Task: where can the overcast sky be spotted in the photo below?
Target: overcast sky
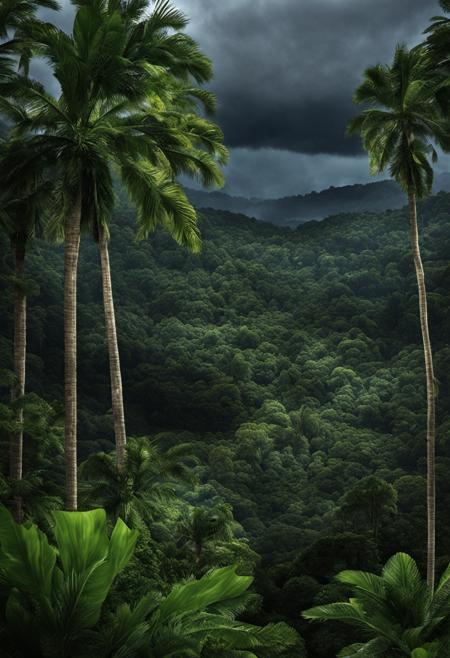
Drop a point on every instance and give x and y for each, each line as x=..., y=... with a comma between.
x=285, y=71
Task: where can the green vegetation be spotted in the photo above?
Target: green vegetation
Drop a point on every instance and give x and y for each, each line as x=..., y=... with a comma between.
x=397, y=610
x=273, y=383
x=290, y=366
x=56, y=594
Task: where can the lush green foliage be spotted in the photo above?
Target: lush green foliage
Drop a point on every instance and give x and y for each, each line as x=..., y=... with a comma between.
x=55, y=597
x=396, y=610
x=288, y=363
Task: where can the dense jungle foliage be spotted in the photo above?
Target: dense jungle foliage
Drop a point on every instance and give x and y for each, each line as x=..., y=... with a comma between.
x=280, y=376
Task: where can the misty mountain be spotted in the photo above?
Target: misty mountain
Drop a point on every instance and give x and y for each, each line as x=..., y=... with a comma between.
x=294, y=210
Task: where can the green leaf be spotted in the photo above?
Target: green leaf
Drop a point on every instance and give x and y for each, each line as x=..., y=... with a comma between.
x=26, y=558
x=345, y=611
x=90, y=560
x=218, y=585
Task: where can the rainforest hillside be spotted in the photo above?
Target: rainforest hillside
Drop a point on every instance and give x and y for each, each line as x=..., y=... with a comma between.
x=288, y=360
x=295, y=210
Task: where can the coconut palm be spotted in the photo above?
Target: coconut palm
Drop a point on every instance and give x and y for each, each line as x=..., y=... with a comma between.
x=174, y=57
x=22, y=208
x=397, y=612
x=88, y=133
x=145, y=486
x=113, y=55
x=15, y=19
x=397, y=130
x=205, y=527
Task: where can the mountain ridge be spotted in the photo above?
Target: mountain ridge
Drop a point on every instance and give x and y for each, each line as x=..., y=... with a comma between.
x=298, y=209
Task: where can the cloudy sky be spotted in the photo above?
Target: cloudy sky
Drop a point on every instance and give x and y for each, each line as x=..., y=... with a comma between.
x=285, y=71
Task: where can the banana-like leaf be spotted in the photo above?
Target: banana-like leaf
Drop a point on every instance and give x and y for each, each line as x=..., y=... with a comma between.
x=27, y=560
x=197, y=595
x=90, y=560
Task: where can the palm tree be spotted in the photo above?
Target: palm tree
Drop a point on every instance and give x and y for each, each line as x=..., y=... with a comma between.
x=397, y=611
x=125, y=69
x=203, y=527
x=182, y=231
x=147, y=38
x=142, y=489
x=22, y=208
x=397, y=131
x=92, y=128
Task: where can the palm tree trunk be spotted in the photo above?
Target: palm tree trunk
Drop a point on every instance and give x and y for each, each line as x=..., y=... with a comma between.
x=18, y=387
x=431, y=393
x=114, y=357
x=72, y=247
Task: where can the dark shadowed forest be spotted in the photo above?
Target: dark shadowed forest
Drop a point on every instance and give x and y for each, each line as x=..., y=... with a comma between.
x=224, y=419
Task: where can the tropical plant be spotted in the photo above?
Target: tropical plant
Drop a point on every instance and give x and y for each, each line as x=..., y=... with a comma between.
x=203, y=528
x=22, y=208
x=15, y=18
x=56, y=595
x=84, y=152
x=397, y=611
x=196, y=619
x=101, y=121
x=142, y=489
x=22, y=203
x=39, y=490
x=152, y=43
x=398, y=130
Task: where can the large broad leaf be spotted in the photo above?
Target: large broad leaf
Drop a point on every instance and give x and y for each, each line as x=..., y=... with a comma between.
x=401, y=572
x=364, y=580
x=27, y=560
x=350, y=612
x=373, y=649
x=82, y=539
x=197, y=595
x=90, y=560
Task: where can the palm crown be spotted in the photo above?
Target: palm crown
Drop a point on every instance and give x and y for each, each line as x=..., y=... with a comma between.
x=402, y=121
x=396, y=610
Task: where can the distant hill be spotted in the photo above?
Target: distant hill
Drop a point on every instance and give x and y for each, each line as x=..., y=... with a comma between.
x=295, y=210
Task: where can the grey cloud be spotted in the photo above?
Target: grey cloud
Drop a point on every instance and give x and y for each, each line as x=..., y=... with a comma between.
x=286, y=69
x=272, y=173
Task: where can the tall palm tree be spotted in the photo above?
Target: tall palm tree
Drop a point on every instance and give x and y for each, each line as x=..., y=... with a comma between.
x=205, y=526
x=98, y=123
x=156, y=39
x=178, y=115
x=22, y=207
x=397, y=130
x=126, y=68
x=397, y=612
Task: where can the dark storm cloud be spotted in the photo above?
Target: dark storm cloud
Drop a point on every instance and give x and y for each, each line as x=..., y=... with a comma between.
x=285, y=72
x=286, y=69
